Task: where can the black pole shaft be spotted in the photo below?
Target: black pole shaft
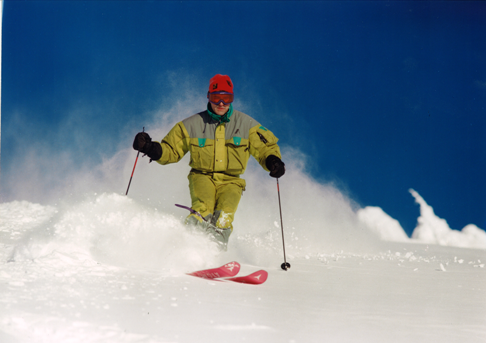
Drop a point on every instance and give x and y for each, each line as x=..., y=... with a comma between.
x=285, y=265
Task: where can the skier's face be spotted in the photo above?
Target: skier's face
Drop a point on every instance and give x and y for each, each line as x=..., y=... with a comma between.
x=220, y=109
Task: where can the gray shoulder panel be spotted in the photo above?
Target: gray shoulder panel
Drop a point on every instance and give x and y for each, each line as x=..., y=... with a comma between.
x=239, y=125
x=200, y=125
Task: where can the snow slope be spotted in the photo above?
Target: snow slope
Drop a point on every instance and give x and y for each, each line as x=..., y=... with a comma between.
x=112, y=270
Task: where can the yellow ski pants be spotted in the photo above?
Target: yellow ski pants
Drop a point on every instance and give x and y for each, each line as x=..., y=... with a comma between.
x=215, y=192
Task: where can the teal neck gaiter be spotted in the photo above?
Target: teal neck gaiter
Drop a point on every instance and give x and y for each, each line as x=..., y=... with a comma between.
x=221, y=119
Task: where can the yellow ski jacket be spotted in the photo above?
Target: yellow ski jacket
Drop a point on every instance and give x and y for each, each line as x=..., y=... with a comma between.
x=219, y=147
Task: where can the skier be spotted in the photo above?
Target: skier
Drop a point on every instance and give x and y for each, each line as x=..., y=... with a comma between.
x=220, y=140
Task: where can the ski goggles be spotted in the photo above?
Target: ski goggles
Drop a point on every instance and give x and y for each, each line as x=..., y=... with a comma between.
x=217, y=97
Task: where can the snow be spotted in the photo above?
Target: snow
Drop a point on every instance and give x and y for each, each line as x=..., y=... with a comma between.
x=112, y=270
x=382, y=224
x=91, y=265
x=432, y=229
x=408, y=293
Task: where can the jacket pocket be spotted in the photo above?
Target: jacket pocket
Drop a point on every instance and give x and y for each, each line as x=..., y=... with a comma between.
x=266, y=137
x=238, y=154
x=202, y=154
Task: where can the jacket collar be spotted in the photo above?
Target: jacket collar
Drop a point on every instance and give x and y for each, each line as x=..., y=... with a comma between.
x=220, y=119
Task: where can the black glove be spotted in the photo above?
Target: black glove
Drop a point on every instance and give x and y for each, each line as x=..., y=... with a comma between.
x=275, y=165
x=144, y=144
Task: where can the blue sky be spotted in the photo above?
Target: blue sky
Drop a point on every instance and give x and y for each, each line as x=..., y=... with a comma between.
x=381, y=96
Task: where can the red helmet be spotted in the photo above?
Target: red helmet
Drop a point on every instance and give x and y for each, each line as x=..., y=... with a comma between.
x=221, y=83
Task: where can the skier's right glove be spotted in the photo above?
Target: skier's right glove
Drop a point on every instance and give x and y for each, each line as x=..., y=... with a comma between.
x=275, y=165
x=144, y=144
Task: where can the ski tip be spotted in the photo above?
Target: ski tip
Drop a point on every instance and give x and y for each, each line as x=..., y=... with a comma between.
x=259, y=276
x=263, y=275
x=255, y=278
x=232, y=268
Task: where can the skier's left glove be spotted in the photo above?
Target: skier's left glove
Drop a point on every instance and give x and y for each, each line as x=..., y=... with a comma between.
x=275, y=165
x=144, y=144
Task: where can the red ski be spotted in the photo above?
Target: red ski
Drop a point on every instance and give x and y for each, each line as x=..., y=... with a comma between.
x=227, y=273
x=255, y=278
x=229, y=269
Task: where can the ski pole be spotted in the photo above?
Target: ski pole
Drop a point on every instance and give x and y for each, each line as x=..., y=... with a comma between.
x=129, y=182
x=192, y=211
x=284, y=265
